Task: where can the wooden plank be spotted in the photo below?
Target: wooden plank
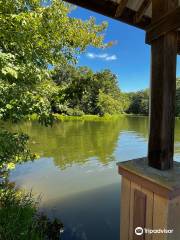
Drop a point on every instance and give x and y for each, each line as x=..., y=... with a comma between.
x=125, y=208
x=149, y=211
x=163, y=91
x=178, y=46
x=108, y=8
x=121, y=7
x=169, y=22
x=140, y=13
x=134, y=187
x=139, y=216
x=160, y=216
x=173, y=218
x=153, y=186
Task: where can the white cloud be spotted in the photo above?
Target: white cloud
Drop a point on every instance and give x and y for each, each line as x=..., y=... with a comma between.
x=104, y=56
x=111, y=58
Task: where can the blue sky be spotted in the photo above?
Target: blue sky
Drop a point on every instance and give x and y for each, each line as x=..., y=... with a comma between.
x=129, y=59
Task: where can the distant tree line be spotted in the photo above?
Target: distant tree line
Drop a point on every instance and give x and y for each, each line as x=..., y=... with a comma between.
x=139, y=101
x=80, y=91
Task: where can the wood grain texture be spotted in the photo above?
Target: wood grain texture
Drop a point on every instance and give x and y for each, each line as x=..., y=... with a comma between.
x=161, y=7
x=125, y=208
x=165, y=184
x=139, y=213
x=163, y=90
x=109, y=8
x=178, y=45
x=134, y=187
x=168, y=22
x=149, y=211
x=120, y=8
x=160, y=216
x=162, y=102
x=173, y=218
x=141, y=11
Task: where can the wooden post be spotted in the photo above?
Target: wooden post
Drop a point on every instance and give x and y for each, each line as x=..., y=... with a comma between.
x=150, y=201
x=163, y=90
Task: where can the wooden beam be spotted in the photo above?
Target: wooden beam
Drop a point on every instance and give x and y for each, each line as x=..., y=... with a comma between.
x=168, y=22
x=163, y=89
x=178, y=46
x=163, y=92
x=109, y=8
x=140, y=13
x=121, y=7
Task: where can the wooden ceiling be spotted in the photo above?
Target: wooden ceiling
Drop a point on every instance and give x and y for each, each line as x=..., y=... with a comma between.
x=134, y=12
x=119, y=10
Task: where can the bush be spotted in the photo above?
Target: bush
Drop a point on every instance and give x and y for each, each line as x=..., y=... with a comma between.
x=74, y=112
x=108, y=104
x=139, y=102
x=13, y=150
x=20, y=220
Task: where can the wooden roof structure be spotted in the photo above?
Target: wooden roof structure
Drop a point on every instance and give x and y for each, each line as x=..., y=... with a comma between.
x=137, y=13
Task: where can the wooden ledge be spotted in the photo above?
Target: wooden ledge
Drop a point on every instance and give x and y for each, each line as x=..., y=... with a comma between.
x=163, y=183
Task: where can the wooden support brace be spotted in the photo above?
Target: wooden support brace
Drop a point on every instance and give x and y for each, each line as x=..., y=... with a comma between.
x=140, y=13
x=121, y=7
x=109, y=9
x=178, y=46
x=169, y=22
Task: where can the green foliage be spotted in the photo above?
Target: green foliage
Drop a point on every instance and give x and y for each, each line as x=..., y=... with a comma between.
x=107, y=104
x=139, y=102
x=80, y=89
x=16, y=215
x=41, y=33
x=19, y=217
x=89, y=118
x=17, y=102
x=13, y=150
x=34, y=35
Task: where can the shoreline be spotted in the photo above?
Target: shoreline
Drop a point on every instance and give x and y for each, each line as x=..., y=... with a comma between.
x=88, y=117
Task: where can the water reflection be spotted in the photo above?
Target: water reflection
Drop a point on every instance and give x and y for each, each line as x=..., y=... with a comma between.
x=75, y=142
x=77, y=174
x=90, y=215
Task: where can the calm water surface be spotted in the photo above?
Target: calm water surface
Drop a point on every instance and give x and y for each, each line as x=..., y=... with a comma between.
x=77, y=174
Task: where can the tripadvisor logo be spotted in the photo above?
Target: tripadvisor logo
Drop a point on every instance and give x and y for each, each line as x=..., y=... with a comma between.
x=140, y=231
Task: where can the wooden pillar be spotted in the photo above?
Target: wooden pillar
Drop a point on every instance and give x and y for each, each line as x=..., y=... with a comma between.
x=150, y=201
x=163, y=90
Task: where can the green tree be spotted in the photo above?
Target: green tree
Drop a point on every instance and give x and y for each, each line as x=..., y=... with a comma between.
x=35, y=35
x=80, y=88
x=108, y=104
x=139, y=102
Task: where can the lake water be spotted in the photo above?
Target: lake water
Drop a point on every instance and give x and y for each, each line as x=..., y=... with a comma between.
x=77, y=175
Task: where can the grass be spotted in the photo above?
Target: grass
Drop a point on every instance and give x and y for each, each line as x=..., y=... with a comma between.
x=106, y=117
x=20, y=220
